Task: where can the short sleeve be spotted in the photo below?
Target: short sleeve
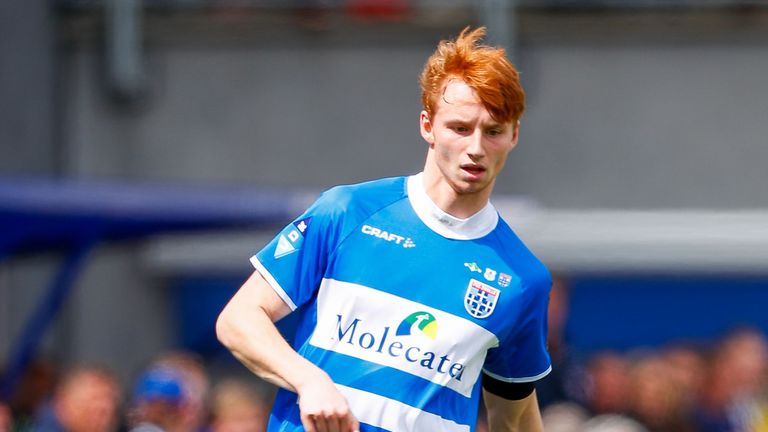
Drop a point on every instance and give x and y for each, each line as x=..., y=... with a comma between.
x=295, y=261
x=522, y=355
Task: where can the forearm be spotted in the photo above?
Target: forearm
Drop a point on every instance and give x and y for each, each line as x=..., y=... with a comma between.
x=513, y=416
x=246, y=326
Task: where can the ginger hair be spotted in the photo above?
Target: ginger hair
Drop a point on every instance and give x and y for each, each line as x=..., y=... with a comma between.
x=483, y=68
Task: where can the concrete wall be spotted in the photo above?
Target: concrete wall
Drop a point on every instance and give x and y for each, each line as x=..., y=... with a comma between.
x=634, y=124
x=645, y=125
x=27, y=88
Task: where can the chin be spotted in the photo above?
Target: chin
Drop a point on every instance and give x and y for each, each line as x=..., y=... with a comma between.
x=466, y=188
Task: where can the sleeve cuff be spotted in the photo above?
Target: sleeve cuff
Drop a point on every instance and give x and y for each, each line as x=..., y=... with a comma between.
x=272, y=282
x=508, y=390
x=519, y=379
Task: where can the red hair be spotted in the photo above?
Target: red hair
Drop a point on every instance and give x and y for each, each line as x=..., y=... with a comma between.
x=485, y=69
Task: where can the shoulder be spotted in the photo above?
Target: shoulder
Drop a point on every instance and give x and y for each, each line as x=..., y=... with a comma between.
x=363, y=198
x=533, y=272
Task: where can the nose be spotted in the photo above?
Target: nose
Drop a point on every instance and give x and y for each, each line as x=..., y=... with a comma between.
x=475, y=149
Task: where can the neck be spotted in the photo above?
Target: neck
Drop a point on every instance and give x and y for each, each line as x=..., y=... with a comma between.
x=460, y=205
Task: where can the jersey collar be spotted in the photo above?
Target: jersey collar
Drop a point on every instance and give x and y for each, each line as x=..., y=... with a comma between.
x=478, y=225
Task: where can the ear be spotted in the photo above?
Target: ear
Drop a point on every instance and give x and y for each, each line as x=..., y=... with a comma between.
x=425, y=125
x=515, y=134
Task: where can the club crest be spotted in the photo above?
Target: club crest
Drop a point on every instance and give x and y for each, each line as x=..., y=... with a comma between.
x=480, y=299
x=490, y=274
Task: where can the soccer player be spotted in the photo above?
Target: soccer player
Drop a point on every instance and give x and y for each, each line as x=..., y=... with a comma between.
x=414, y=297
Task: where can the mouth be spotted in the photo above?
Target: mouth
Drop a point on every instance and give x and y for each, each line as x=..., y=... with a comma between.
x=473, y=169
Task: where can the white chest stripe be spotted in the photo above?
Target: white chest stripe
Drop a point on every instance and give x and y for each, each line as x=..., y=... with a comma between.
x=392, y=415
x=385, y=329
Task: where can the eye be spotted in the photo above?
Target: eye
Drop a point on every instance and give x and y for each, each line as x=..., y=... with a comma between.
x=459, y=129
x=495, y=132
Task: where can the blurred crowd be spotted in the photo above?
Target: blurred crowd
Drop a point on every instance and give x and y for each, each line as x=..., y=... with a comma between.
x=173, y=394
x=718, y=386
x=680, y=388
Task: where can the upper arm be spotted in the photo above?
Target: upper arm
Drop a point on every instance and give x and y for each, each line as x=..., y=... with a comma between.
x=254, y=296
x=256, y=292
x=522, y=352
x=288, y=270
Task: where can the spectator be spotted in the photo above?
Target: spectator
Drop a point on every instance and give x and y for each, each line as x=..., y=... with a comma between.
x=607, y=384
x=729, y=402
x=236, y=407
x=194, y=385
x=655, y=400
x=157, y=402
x=746, y=354
x=612, y=423
x=34, y=389
x=87, y=399
x=564, y=417
x=6, y=420
x=561, y=384
x=687, y=367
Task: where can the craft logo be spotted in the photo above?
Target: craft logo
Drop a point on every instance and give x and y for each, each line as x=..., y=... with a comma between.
x=480, y=299
x=391, y=237
x=401, y=346
x=423, y=321
x=292, y=237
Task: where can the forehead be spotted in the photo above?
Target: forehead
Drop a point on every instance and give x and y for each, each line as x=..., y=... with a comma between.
x=457, y=93
x=460, y=102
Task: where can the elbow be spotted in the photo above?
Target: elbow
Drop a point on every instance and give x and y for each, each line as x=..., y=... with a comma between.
x=225, y=329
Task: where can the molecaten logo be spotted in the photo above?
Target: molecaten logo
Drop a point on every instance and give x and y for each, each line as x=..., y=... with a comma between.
x=424, y=321
x=381, y=342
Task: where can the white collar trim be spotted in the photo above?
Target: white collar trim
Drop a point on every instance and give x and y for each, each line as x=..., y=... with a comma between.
x=478, y=225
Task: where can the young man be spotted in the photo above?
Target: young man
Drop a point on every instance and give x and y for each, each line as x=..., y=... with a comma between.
x=411, y=290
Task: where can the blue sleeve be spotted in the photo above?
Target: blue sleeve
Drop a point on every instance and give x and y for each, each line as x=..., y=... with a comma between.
x=295, y=261
x=522, y=355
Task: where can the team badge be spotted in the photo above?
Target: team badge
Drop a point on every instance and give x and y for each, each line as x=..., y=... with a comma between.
x=504, y=280
x=490, y=274
x=480, y=299
x=473, y=267
x=291, y=238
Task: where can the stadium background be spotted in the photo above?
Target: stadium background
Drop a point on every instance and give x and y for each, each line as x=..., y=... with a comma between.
x=640, y=178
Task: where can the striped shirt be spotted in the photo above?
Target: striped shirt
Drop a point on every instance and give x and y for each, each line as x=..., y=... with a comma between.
x=405, y=306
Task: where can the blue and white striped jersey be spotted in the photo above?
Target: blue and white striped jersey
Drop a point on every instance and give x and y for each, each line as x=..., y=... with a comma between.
x=404, y=305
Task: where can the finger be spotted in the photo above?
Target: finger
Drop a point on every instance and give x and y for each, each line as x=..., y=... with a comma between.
x=321, y=423
x=349, y=424
x=308, y=423
x=334, y=423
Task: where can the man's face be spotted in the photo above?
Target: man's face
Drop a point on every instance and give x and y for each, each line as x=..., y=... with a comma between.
x=88, y=404
x=469, y=146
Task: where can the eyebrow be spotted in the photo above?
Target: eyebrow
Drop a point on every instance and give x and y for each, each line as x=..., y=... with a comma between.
x=490, y=125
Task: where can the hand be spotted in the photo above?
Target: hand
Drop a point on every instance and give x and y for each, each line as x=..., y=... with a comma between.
x=324, y=409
